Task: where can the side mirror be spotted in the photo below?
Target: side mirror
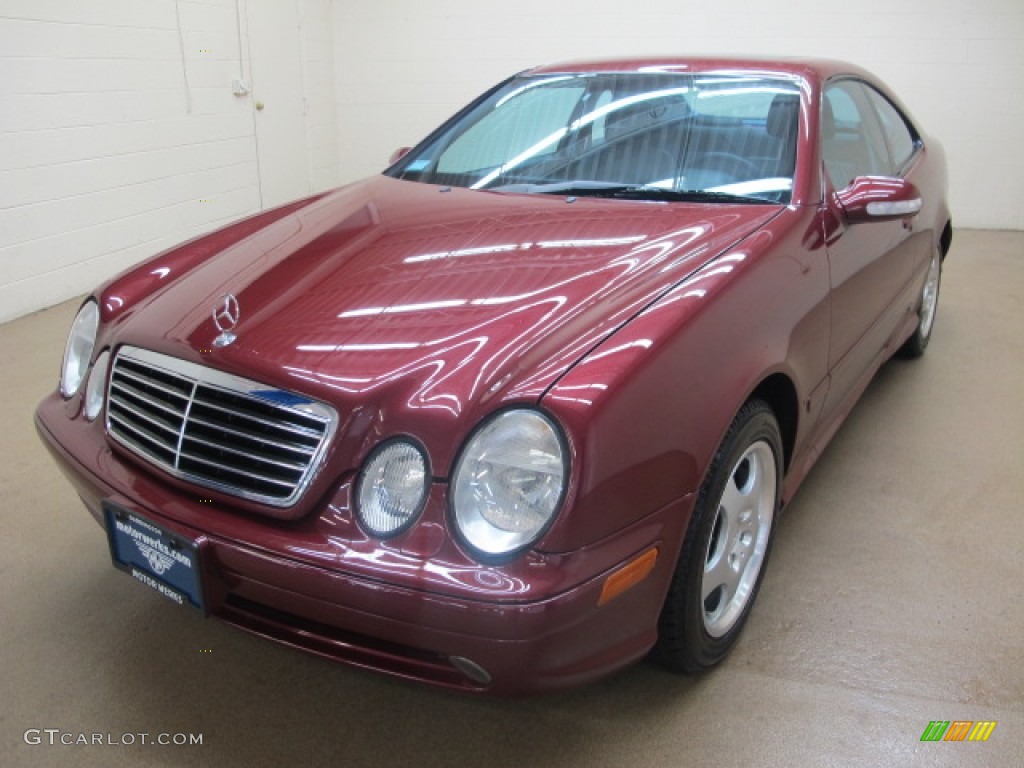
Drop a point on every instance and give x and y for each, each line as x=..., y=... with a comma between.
x=879, y=198
x=398, y=154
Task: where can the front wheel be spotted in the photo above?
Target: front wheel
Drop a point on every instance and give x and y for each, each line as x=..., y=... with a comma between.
x=915, y=345
x=726, y=546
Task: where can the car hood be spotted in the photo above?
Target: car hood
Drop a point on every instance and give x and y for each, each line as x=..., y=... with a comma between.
x=417, y=308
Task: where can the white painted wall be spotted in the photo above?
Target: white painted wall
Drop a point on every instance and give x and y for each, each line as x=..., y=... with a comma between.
x=406, y=65
x=119, y=134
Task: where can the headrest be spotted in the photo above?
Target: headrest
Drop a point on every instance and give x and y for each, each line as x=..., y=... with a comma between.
x=783, y=115
x=626, y=120
x=645, y=114
x=828, y=120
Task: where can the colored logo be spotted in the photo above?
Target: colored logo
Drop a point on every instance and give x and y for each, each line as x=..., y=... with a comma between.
x=958, y=730
x=225, y=317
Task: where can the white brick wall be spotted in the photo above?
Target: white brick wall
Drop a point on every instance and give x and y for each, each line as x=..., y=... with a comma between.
x=106, y=158
x=405, y=65
x=317, y=21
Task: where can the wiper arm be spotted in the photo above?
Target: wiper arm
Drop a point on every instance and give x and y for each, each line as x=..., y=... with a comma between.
x=683, y=195
x=642, y=192
x=576, y=187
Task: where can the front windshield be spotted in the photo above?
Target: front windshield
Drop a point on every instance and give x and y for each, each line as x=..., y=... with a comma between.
x=653, y=135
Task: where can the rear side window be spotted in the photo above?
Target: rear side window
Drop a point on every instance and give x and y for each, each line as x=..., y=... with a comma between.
x=899, y=135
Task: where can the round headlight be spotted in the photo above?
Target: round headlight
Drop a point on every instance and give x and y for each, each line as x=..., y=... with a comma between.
x=78, y=351
x=509, y=482
x=95, y=390
x=392, y=488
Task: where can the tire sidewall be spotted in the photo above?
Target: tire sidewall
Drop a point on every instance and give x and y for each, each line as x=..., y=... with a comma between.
x=924, y=338
x=754, y=424
x=918, y=341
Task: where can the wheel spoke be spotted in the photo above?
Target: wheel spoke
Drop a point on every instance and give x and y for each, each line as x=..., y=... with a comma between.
x=733, y=498
x=930, y=295
x=717, y=574
x=739, y=541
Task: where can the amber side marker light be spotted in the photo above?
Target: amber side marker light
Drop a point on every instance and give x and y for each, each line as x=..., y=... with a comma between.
x=628, y=576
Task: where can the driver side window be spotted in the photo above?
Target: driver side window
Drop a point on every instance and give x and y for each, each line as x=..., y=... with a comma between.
x=851, y=139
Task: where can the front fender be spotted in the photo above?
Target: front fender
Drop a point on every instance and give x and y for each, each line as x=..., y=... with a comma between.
x=647, y=409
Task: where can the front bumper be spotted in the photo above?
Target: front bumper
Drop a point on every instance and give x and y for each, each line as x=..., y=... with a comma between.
x=388, y=613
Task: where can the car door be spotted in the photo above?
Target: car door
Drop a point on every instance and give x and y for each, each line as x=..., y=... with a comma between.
x=870, y=262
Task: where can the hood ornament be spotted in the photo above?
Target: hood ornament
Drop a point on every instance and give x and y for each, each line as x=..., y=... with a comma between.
x=225, y=317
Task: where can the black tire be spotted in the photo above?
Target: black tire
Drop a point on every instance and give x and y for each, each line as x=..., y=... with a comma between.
x=696, y=632
x=927, y=308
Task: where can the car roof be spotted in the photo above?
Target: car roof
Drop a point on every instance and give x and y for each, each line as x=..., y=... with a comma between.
x=807, y=69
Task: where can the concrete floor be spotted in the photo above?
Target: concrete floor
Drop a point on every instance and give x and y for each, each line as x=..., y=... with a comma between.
x=894, y=596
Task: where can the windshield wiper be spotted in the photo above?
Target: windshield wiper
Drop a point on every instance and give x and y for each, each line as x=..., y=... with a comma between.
x=642, y=192
x=684, y=195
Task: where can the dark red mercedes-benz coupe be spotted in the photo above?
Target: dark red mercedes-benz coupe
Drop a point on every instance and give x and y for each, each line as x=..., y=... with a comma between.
x=524, y=408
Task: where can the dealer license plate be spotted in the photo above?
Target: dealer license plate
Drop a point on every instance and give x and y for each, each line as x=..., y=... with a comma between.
x=162, y=560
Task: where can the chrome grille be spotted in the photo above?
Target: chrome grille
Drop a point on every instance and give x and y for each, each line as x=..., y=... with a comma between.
x=216, y=429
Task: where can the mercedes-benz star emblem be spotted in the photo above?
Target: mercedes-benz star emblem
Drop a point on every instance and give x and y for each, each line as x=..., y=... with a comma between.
x=225, y=317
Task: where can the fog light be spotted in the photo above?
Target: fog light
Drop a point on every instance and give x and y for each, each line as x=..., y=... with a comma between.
x=95, y=390
x=471, y=669
x=392, y=488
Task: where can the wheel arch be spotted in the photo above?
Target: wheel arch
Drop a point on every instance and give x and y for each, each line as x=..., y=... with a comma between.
x=779, y=392
x=946, y=238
